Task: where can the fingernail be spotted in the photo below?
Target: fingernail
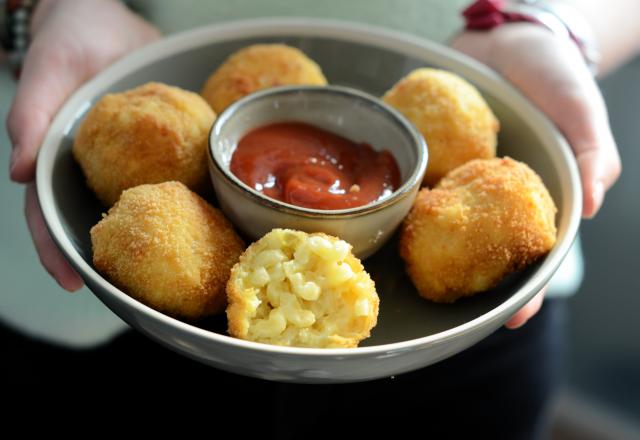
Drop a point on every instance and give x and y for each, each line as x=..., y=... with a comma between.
x=74, y=285
x=598, y=197
x=515, y=327
x=14, y=159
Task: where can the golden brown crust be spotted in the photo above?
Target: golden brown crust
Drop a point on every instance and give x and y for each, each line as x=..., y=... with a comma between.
x=484, y=220
x=168, y=248
x=340, y=316
x=151, y=134
x=453, y=117
x=258, y=67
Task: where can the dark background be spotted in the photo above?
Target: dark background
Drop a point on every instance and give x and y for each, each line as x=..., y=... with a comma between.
x=605, y=316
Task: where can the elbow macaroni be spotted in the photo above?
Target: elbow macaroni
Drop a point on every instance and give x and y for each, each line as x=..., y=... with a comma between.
x=297, y=289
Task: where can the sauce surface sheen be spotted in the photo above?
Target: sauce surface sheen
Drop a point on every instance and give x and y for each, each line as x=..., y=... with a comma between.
x=306, y=166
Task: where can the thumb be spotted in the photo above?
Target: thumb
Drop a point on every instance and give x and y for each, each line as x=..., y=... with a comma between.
x=50, y=74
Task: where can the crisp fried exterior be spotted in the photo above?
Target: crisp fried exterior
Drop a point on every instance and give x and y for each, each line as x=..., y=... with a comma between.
x=454, y=119
x=168, y=248
x=258, y=67
x=484, y=220
x=305, y=290
x=151, y=134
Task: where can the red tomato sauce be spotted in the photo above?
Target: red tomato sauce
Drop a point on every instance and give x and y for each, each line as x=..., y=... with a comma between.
x=306, y=166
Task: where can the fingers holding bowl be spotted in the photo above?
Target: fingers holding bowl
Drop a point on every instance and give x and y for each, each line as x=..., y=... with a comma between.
x=50, y=256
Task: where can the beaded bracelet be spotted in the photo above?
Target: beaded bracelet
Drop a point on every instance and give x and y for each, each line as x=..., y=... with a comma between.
x=15, y=16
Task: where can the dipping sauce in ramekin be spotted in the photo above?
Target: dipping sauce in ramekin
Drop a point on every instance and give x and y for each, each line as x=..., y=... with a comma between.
x=318, y=114
x=307, y=166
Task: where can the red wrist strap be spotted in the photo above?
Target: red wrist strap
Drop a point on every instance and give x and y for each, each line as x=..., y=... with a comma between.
x=487, y=14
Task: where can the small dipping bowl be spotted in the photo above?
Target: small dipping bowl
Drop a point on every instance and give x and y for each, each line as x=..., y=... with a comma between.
x=346, y=112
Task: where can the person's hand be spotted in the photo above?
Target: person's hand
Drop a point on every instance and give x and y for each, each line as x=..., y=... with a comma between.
x=550, y=71
x=72, y=41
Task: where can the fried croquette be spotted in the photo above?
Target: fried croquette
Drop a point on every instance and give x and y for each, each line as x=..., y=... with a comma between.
x=258, y=67
x=453, y=117
x=305, y=290
x=484, y=220
x=151, y=134
x=168, y=248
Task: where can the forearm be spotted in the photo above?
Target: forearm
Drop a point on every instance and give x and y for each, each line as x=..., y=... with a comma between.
x=616, y=27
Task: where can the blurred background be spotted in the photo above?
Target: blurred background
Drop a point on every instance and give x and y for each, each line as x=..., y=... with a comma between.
x=601, y=399
x=603, y=362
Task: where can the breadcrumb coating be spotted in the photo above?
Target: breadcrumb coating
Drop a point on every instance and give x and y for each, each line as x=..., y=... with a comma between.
x=168, y=248
x=258, y=67
x=151, y=134
x=484, y=220
x=451, y=114
x=305, y=290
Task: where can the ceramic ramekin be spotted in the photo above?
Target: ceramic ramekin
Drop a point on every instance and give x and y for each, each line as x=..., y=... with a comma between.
x=347, y=112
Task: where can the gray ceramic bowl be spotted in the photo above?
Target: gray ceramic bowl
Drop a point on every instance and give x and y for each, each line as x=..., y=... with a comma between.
x=411, y=332
x=342, y=110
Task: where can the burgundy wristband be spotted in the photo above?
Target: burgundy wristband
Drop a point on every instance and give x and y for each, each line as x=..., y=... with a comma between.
x=487, y=14
x=560, y=19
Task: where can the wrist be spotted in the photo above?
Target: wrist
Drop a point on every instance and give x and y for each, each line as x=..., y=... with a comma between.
x=45, y=8
x=490, y=46
x=558, y=18
x=41, y=11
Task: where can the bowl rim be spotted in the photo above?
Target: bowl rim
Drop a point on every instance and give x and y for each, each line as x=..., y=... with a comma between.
x=418, y=143
x=408, y=45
